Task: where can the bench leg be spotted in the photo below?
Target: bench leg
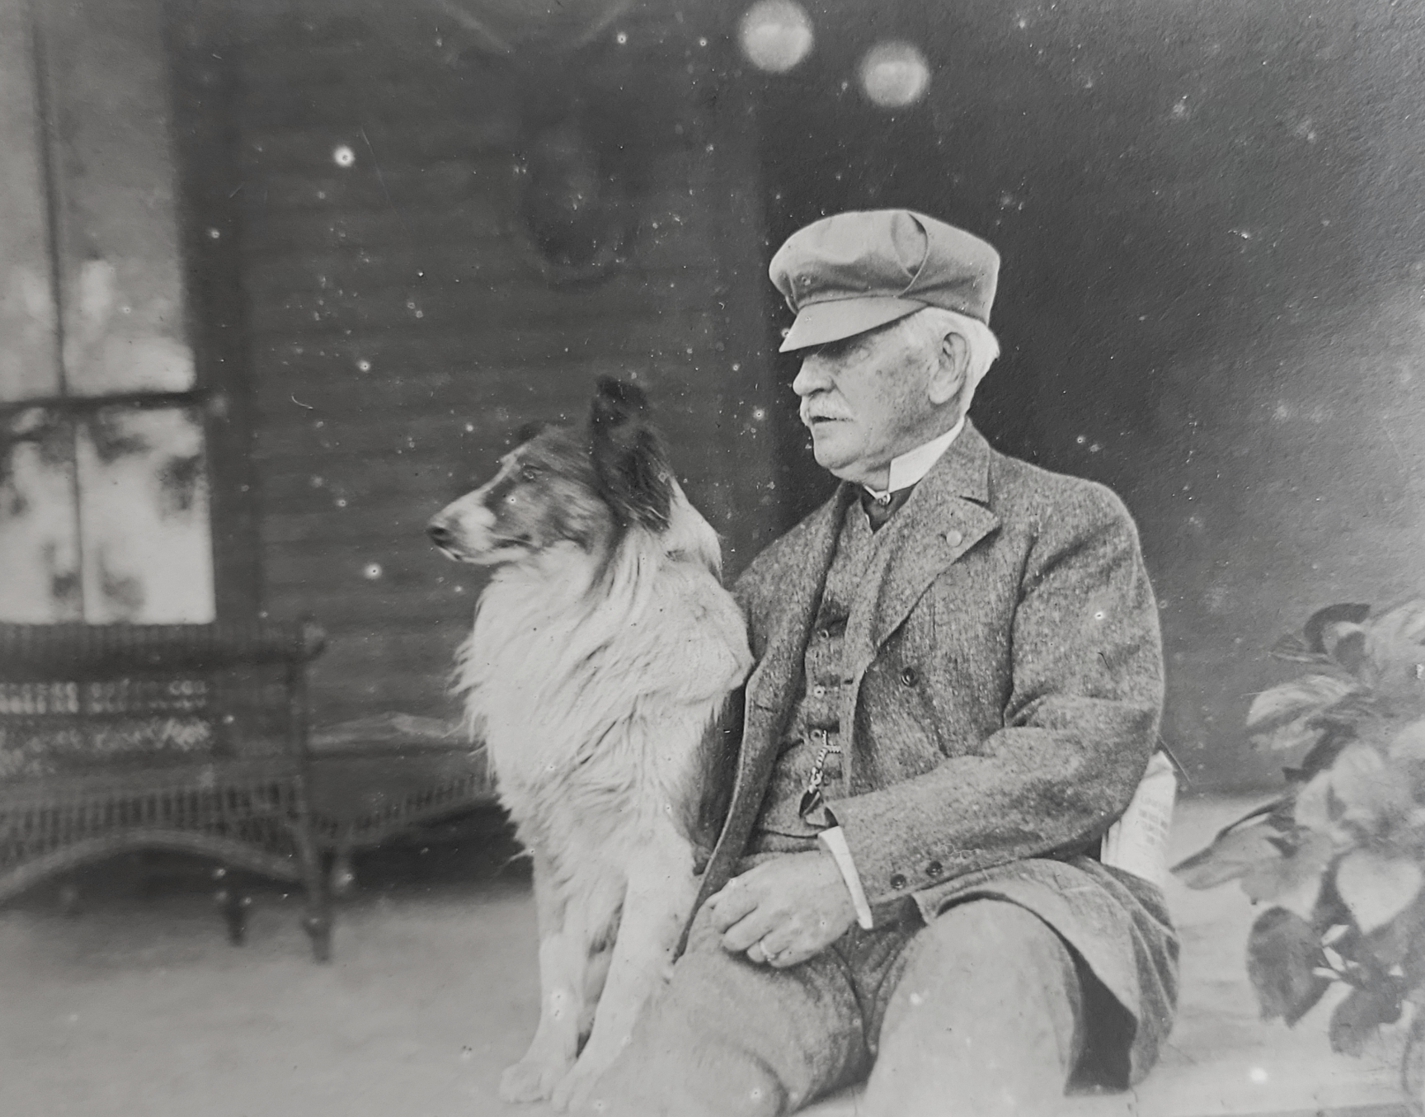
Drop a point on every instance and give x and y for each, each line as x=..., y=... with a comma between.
x=342, y=879
x=233, y=903
x=69, y=899
x=318, y=925
x=317, y=920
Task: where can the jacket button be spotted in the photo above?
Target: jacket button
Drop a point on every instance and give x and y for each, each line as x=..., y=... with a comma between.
x=898, y=881
x=934, y=869
x=909, y=676
x=954, y=538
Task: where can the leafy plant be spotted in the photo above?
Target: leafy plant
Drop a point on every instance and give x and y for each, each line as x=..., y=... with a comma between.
x=1341, y=855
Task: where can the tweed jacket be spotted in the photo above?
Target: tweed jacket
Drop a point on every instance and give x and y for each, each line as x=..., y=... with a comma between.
x=1003, y=689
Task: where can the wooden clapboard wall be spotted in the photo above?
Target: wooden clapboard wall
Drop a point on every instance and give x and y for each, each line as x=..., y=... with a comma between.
x=396, y=328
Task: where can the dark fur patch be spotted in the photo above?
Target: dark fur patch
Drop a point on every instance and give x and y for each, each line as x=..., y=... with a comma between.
x=549, y=493
x=630, y=462
x=701, y=816
x=531, y=430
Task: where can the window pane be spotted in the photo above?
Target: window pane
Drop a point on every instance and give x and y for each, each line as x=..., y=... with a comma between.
x=39, y=557
x=122, y=329
x=28, y=363
x=144, y=512
x=121, y=275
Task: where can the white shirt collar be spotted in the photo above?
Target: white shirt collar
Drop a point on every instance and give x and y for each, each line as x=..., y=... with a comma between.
x=910, y=467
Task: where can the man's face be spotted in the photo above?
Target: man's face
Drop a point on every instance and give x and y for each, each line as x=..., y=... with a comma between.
x=866, y=399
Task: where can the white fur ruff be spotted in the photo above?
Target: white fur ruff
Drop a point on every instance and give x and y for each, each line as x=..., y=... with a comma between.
x=592, y=690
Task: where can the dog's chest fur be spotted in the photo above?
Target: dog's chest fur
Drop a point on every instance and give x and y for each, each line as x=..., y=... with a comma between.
x=593, y=695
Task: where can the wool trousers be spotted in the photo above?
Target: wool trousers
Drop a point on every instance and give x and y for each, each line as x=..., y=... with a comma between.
x=978, y=1014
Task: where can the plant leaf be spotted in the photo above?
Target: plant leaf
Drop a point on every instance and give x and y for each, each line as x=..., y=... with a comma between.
x=1319, y=621
x=1375, y=887
x=1371, y=794
x=1348, y=647
x=1359, y=1016
x=1389, y=945
x=1282, y=953
x=1232, y=854
x=1407, y=751
x=1294, y=650
x=1317, y=809
x=1395, y=647
x=1291, y=702
x=1409, y=744
x=1403, y=624
x=1292, y=881
x=1302, y=734
x=1322, y=755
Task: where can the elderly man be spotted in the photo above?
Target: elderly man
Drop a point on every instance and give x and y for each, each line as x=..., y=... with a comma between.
x=957, y=691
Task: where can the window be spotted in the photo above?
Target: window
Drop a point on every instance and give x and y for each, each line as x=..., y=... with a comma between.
x=104, y=496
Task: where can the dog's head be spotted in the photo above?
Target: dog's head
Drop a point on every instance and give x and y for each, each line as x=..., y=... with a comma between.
x=565, y=485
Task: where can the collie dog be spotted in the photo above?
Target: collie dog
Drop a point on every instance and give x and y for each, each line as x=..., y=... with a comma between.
x=602, y=651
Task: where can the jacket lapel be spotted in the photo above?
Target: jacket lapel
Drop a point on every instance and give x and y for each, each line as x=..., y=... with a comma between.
x=772, y=685
x=772, y=688
x=946, y=515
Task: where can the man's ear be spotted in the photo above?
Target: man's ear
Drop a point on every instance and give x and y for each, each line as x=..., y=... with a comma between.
x=952, y=369
x=630, y=463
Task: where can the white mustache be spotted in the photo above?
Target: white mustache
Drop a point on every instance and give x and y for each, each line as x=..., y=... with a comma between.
x=809, y=416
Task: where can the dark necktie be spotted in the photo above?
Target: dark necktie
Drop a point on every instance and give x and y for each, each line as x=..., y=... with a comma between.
x=878, y=511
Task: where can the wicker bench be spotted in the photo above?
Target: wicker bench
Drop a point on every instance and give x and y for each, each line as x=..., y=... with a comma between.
x=188, y=738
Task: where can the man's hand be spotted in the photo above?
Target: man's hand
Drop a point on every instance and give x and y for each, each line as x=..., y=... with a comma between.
x=785, y=910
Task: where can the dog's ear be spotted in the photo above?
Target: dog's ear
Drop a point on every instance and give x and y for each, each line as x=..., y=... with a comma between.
x=629, y=460
x=531, y=431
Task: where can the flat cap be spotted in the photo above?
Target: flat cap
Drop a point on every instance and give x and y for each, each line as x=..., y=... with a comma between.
x=852, y=272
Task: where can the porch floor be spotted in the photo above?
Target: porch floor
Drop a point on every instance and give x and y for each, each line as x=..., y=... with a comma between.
x=136, y=1005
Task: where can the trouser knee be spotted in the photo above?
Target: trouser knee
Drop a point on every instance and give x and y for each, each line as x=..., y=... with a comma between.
x=987, y=1010
x=680, y=1073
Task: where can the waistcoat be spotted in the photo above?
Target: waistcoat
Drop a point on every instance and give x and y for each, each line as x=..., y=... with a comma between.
x=813, y=725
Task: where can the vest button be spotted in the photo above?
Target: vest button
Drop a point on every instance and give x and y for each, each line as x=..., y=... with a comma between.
x=954, y=538
x=898, y=881
x=909, y=676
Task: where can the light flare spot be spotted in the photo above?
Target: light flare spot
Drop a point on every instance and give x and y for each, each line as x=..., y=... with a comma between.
x=776, y=35
x=894, y=74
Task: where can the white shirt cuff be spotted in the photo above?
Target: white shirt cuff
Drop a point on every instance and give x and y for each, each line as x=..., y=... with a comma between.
x=833, y=840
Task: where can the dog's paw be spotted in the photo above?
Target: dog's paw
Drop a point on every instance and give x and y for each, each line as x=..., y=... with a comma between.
x=531, y=1080
x=572, y=1093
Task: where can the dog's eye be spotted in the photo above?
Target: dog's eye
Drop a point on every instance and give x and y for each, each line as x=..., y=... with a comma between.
x=529, y=474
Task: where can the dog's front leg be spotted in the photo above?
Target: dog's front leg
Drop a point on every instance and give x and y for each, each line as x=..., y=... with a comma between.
x=659, y=895
x=562, y=960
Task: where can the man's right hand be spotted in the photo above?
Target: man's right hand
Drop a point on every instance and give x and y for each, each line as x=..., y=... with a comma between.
x=785, y=910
